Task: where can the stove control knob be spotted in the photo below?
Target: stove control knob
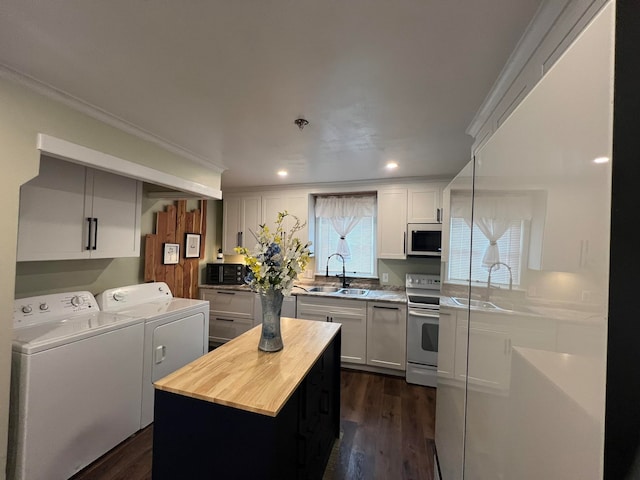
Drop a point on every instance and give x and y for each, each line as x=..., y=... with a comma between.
x=44, y=307
x=26, y=309
x=118, y=296
x=77, y=300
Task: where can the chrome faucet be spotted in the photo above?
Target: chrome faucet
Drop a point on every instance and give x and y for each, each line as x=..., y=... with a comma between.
x=344, y=276
x=489, y=278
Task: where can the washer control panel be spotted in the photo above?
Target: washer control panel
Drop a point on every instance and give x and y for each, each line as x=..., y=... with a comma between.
x=53, y=307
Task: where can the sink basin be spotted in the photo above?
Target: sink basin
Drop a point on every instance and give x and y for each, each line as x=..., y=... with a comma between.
x=353, y=291
x=473, y=303
x=324, y=289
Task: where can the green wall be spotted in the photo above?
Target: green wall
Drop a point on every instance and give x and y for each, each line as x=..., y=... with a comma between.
x=23, y=114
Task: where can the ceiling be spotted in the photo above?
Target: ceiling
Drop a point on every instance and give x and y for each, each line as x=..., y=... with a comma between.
x=223, y=81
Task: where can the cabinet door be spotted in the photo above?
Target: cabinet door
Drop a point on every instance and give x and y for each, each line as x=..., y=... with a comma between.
x=424, y=203
x=392, y=224
x=251, y=220
x=571, y=238
x=240, y=217
x=116, y=209
x=489, y=356
x=231, y=224
x=297, y=204
x=386, y=335
x=446, y=342
x=354, y=335
x=52, y=220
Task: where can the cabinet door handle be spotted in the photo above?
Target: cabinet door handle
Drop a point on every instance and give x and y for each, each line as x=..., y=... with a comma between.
x=225, y=293
x=224, y=319
x=386, y=308
x=95, y=235
x=439, y=215
x=88, y=247
x=404, y=243
x=240, y=239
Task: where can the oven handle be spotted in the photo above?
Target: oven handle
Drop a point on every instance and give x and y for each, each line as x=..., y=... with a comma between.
x=415, y=313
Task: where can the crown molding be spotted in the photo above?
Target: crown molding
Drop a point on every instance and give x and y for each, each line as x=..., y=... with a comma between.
x=92, y=111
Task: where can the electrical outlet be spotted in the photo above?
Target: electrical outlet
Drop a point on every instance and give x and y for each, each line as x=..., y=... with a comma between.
x=385, y=277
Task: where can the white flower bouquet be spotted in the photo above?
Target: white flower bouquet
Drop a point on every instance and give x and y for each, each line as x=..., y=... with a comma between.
x=278, y=257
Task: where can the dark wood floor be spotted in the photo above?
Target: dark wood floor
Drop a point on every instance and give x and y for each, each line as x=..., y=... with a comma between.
x=387, y=433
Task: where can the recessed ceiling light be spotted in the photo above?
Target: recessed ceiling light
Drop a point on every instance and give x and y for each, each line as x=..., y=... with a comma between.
x=601, y=160
x=282, y=173
x=391, y=165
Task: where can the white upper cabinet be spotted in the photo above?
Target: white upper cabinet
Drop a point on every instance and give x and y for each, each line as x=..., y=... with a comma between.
x=72, y=212
x=295, y=203
x=392, y=224
x=424, y=203
x=241, y=216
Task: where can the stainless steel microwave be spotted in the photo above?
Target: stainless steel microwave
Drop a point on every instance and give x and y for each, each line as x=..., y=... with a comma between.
x=424, y=239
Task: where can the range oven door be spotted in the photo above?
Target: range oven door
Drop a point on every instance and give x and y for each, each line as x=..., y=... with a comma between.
x=422, y=336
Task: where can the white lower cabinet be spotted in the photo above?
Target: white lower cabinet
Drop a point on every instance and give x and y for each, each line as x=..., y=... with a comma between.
x=387, y=335
x=231, y=313
x=490, y=340
x=373, y=333
x=351, y=314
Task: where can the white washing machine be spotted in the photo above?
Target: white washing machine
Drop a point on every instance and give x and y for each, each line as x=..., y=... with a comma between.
x=176, y=331
x=75, y=384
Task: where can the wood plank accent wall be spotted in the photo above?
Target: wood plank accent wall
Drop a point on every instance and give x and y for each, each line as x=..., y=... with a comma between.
x=172, y=225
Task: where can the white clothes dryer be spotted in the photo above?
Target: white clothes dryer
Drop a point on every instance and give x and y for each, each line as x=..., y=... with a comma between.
x=176, y=331
x=75, y=384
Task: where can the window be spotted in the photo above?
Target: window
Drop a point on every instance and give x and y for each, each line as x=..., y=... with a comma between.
x=354, y=218
x=510, y=246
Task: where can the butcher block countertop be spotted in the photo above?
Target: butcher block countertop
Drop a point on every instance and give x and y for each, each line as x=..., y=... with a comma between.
x=239, y=375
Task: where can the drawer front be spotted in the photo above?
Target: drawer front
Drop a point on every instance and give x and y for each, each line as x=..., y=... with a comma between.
x=332, y=304
x=230, y=302
x=223, y=328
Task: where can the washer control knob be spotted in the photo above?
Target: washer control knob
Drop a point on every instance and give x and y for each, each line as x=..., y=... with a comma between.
x=44, y=307
x=76, y=301
x=26, y=309
x=118, y=296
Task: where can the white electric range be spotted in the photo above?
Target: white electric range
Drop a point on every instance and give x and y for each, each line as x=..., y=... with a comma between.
x=423, y=313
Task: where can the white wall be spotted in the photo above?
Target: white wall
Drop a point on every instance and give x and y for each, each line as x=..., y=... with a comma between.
x=24, y=114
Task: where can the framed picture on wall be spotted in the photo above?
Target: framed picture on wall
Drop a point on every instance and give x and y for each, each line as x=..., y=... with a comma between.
x=171, y=253
x=192, y=245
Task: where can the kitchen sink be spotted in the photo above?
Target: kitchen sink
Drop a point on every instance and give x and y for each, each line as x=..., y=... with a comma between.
x=324, y=289
x=473, y=303
x=353, y=291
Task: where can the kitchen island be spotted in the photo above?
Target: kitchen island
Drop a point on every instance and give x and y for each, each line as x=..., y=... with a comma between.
x=238, y=412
